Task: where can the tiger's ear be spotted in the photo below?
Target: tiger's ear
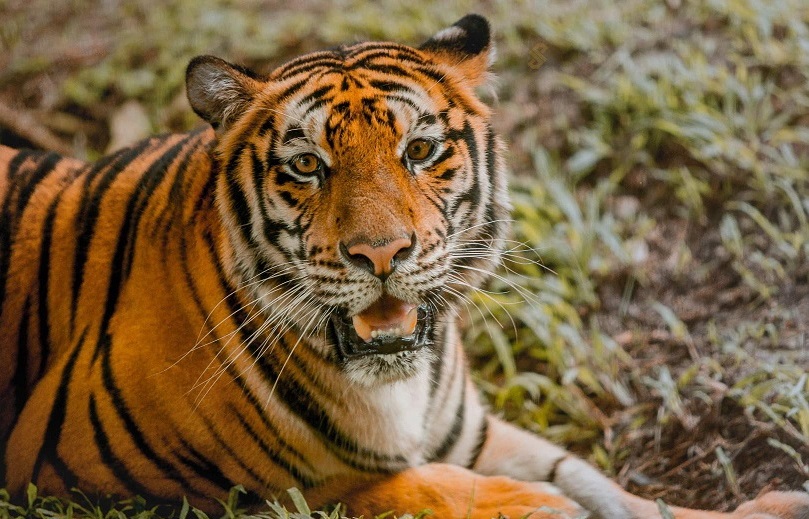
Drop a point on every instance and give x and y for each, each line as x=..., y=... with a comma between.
x=466, y=46
x=219, y=91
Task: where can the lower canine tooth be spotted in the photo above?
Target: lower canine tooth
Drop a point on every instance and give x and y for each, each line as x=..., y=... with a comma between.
x=409, y=325
x=362, y=328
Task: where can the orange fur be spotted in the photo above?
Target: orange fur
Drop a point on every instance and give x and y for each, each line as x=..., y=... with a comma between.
x=174, y=316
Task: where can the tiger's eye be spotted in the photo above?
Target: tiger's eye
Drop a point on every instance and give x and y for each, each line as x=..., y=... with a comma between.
x=306, y=164
x=419, y=149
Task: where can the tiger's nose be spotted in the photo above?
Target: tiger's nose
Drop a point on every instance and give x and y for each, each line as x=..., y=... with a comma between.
x=379, y=260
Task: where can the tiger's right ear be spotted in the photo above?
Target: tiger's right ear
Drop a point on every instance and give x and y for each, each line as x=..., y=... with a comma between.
x=466, y=46
x=219, y=91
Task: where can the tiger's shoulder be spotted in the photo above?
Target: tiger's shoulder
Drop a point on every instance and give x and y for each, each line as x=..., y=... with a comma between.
x=61, y=215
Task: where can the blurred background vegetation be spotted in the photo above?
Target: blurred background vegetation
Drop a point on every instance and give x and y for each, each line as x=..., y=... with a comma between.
x=652, y=312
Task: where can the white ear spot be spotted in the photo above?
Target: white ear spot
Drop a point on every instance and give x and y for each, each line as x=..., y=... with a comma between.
x=449, y=34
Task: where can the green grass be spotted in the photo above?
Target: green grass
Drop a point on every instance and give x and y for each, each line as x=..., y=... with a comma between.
x=652, y=309
x=47, y=507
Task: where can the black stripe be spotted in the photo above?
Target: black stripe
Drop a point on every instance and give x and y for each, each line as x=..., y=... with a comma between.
x=295, y=132
x=207, y=194
x=203, y=467
x=314, y=96
x=483, y=435
x=125, y=246
x=237, y=197
x=452, y=96
x=7, y=222
x=108, y=457
x=282, y=178
x=343, y=108
x=301, y=479
x=43, y=315
x=454, y=433
x=493, y=227
x=45, y=166
x=282, y=350
x=177, y=198
x=370, y=60
x=89, y=209
x=134, y=431
x=405, y=100
x=491, y=157
x=20, y=379
x=435, y=196
x=439, y=363
x=259, y=175
x=555, y=467
x=372, y=50
x=472, y=195
x=318, y=104
x=90, y=173
x=368, y=103
x=267, y=126
x=427, y=118
x=15, y=163
x=299, y=66
x=272, y=229
x=9, y=216
x=225, y=446
x=449, y=173
x=149, y=182
x=293, y=88
x=436, y=76
x=392, y=70
x=53, y=431
x=288, y=197
x=302, y=403
x=190, y=282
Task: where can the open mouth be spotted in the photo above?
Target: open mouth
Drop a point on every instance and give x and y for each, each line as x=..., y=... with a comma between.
x=388, y=326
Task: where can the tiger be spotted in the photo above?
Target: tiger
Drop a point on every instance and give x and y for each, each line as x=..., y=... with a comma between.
x=271, y=301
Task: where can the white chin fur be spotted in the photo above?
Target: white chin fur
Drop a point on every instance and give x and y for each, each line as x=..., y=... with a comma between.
x=376, y=370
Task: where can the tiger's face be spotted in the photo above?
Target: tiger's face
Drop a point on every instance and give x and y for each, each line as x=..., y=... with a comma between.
x=361, y=190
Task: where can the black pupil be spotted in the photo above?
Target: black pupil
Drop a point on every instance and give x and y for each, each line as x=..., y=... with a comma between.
x=418, y=150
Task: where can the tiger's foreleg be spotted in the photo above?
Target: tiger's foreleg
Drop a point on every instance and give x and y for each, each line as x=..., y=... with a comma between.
x=521, y=455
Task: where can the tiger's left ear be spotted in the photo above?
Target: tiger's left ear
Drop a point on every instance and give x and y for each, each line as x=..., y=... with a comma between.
x=466, y=46
x=219, y=91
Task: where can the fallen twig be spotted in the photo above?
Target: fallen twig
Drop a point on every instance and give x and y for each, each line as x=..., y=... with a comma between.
x=26, y=126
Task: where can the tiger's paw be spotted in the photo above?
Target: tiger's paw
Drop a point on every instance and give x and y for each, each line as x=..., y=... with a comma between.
x=775, y=505
x=452, y=492
x=496, y=497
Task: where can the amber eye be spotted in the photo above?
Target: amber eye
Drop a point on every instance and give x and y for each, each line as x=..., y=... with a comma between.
x=306, y=164
x=419, y=149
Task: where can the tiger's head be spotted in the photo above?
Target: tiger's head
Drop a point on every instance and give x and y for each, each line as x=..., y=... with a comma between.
x=362, y=191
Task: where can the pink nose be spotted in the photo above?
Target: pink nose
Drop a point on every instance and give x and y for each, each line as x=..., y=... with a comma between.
x=380, y=260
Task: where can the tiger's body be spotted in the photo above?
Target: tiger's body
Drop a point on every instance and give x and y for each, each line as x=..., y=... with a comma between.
x=271, y=304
